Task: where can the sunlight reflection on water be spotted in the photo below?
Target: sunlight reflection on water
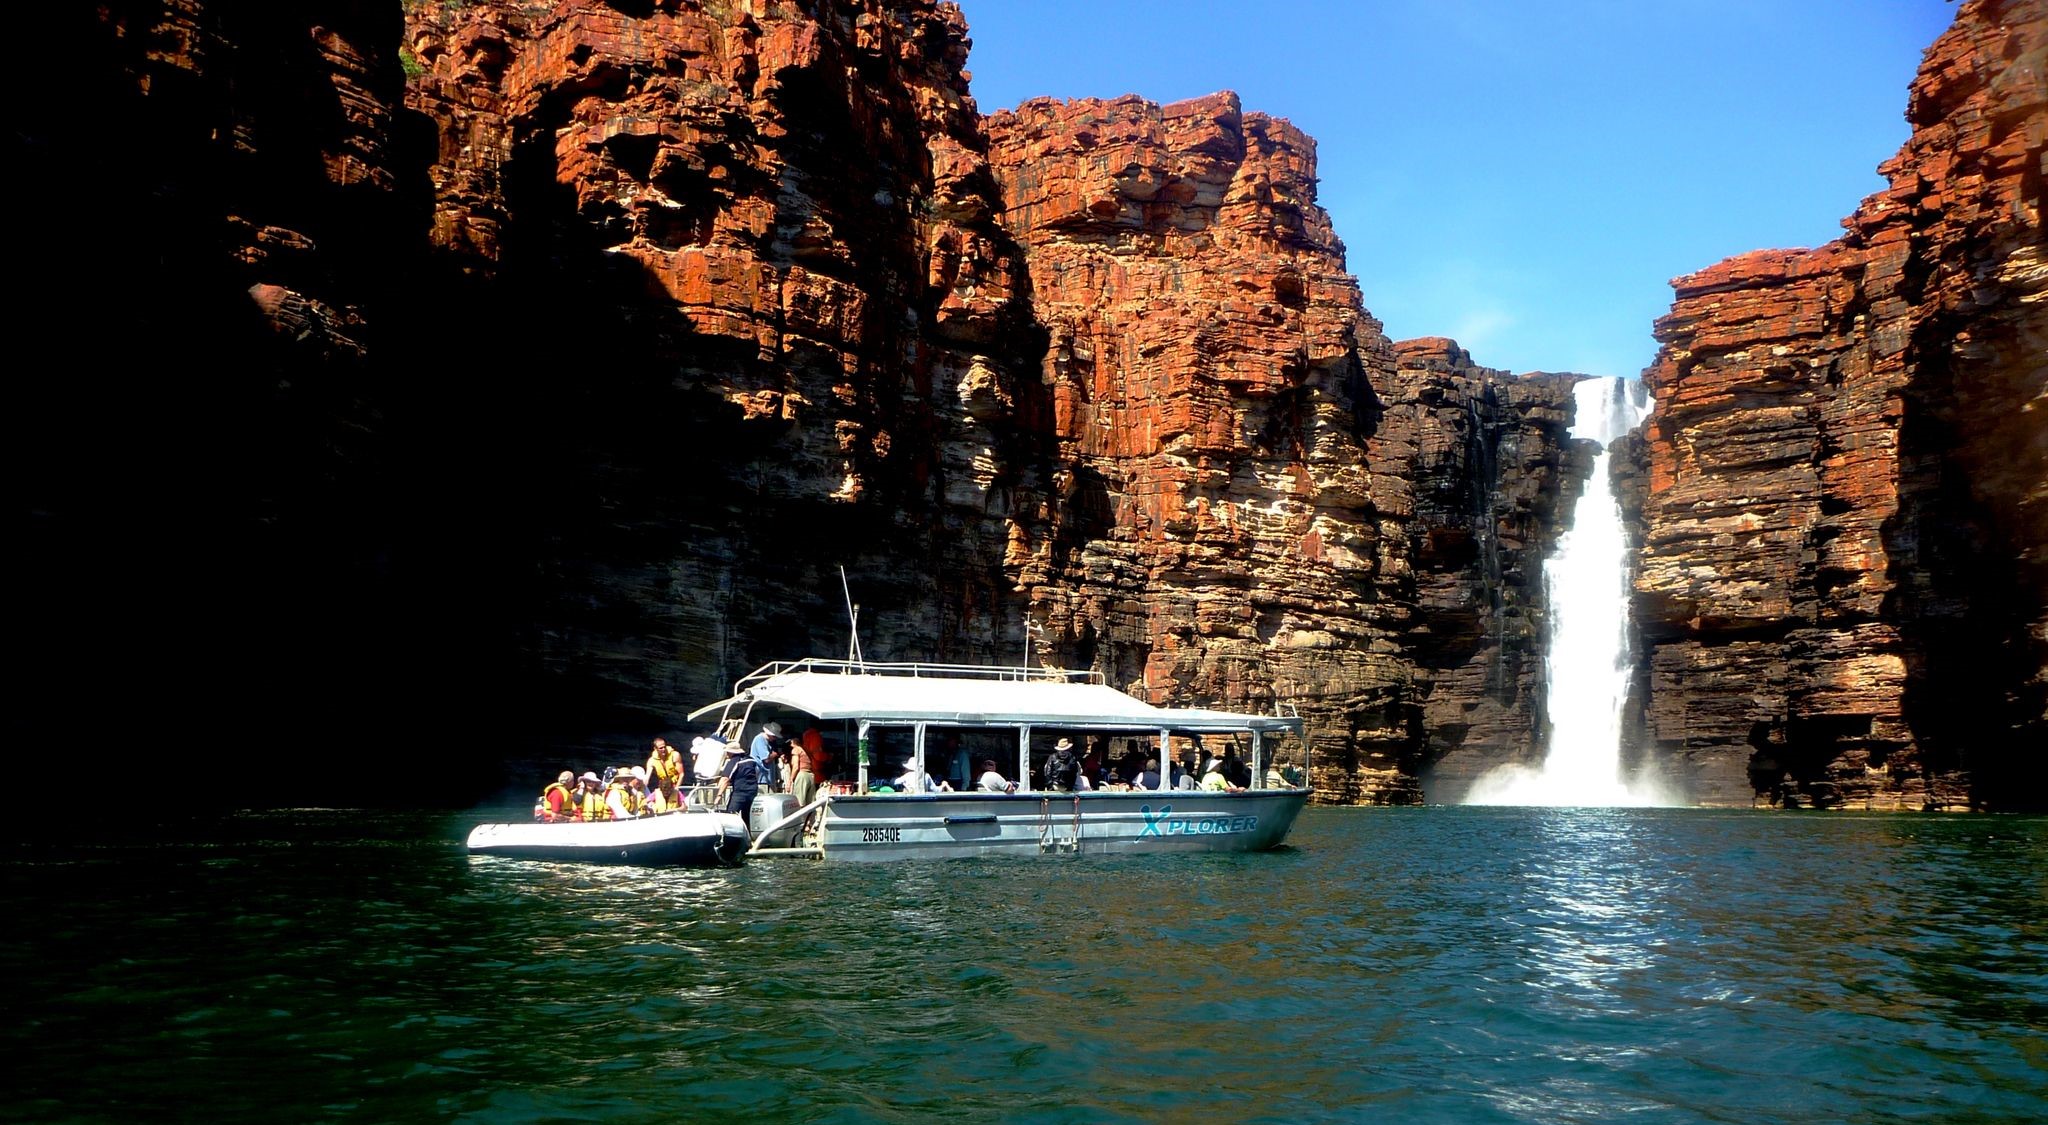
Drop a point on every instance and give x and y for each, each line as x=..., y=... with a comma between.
x=1431, y=965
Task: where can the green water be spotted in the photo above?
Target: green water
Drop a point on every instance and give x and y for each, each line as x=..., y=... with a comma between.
x=1458, y=965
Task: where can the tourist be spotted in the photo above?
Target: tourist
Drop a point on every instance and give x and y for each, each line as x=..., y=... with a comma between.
x=1113, y=782
x=741, y=782
x=813, y=741
x=588, y=802
x=554, y=800
x=763, y=746
x=992, y=781
x=915, y=780
x=667, y=772
x=1234, y=768
x=1213, y=780
x=1061, y=768
x=1148, y=778
x=621, y=799
x=803, y=776
x=707, y=756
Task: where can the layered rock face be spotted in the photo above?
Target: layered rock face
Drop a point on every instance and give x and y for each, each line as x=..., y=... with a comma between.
x=1494, y=475
x=513, y=409
x=205, y=485
x=1258, y=498
x=1843, y=586
x=758, y=245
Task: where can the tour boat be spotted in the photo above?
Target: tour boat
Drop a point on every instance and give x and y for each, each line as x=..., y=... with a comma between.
x=941, y=715
x=686, y=838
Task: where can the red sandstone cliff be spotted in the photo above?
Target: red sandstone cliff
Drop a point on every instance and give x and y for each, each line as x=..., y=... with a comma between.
x=1257, y=497
x=1843, y=584
x=800, y=330
x=540, y=404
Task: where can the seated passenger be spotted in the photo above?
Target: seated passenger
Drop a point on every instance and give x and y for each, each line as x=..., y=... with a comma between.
x=554, y=800
x=588, y=801
x=992, y=781
x=914, y=780
x=623, y=798
x=1235, y=770
x=1113, y=782
x=1148, y=778
x=1213, y=780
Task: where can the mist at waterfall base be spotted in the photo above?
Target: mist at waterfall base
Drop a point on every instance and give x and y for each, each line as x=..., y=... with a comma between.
x=1586, y=667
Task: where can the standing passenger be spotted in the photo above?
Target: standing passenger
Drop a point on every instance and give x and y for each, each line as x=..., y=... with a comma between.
x=667, y=772
x=764, y=743
x=803, y=776
x=1061, y=769
x=742, y=781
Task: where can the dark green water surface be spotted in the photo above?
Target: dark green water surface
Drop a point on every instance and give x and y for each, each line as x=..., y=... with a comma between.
x=1459, y=965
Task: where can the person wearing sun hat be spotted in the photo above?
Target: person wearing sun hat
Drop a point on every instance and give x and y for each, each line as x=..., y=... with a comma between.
x=741, y=782
x=1061, y=770
x=915, y=780
x=588, y=800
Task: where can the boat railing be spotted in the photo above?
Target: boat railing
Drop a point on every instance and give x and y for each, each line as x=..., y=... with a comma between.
x=916, y=669
x=796, y=817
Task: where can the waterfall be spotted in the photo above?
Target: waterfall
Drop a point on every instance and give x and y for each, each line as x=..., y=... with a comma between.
x=1587, y=665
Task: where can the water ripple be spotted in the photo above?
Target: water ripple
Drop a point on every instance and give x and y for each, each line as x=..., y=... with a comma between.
x=1461, y=965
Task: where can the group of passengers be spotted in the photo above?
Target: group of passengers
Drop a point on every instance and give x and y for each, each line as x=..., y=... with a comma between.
x=771, y=762
x=1066, y=771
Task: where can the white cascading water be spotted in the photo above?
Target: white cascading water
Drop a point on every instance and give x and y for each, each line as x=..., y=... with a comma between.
x=1587, y=667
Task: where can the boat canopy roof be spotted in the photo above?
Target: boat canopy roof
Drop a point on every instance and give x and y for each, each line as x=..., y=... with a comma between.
x=956, y=694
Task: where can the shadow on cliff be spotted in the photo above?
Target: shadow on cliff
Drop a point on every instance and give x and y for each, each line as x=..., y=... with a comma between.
x=1975, y=700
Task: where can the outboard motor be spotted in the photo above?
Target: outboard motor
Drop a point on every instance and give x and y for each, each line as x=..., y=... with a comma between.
x=769, y=808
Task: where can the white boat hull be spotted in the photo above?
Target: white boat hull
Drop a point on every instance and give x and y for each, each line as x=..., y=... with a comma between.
x=961, y=825
x=678, y=839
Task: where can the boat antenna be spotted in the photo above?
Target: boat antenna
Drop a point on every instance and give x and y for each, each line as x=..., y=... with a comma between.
x=853, y=623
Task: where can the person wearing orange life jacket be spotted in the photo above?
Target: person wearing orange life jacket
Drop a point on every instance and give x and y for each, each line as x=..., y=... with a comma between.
x=667, y=773
x=587, y=803
x=554, y=800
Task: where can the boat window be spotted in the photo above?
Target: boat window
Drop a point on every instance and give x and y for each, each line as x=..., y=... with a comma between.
x=956, y=753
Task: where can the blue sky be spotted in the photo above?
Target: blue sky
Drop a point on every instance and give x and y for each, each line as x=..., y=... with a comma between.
x=1526, y=177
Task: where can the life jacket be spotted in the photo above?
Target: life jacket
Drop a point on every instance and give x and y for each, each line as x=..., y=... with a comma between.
x=589, y=805
x=627, y=798
x=668, y=767
x=545, y=808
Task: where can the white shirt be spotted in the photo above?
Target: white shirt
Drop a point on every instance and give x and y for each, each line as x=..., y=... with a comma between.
x=993, y=782
x=915, y=780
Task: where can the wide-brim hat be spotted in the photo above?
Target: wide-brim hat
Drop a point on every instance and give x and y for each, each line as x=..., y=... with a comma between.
x=638, y=773
x=1063, y=744
x=735, y=748
x=589, y=777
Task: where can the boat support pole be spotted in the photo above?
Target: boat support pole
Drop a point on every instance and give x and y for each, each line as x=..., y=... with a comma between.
x=1165, y=760
x=1258, y=761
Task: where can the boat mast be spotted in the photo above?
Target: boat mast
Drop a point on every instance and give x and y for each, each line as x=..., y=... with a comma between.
x=853, y=655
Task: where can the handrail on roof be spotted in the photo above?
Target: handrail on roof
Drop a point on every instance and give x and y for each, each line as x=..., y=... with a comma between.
x=915, y=669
